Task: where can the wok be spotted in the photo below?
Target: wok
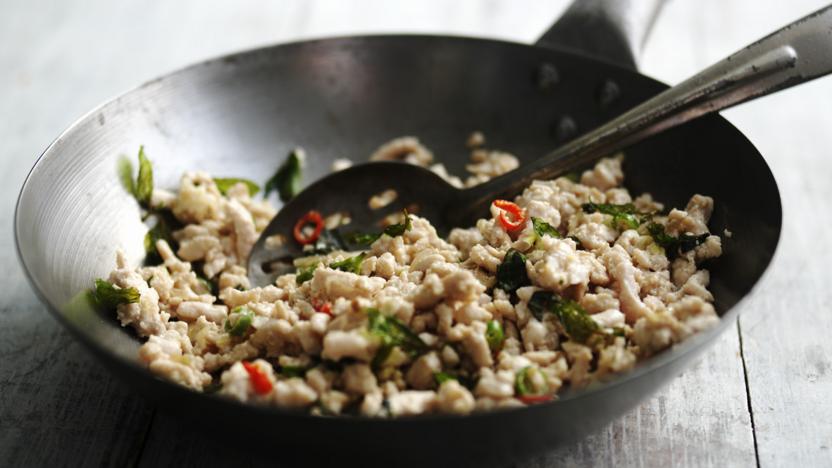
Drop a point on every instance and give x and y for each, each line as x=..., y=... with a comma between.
x=239, y=115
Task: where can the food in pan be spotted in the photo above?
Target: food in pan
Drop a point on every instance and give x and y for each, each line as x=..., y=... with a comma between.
x=569, y=284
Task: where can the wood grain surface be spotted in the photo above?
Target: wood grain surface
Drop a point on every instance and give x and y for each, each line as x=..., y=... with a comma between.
x=760, y=396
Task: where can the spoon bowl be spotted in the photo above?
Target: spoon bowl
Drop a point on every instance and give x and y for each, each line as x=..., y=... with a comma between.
x=343, y=199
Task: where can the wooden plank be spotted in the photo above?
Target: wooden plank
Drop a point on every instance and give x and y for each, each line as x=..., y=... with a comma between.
x=700, y=419
x=57, y=404
x=786, y=337
x=786, y=325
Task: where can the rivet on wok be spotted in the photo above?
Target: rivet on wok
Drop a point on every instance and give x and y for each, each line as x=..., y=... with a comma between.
x=608, y=93
x=565, y=128
x=547, y=77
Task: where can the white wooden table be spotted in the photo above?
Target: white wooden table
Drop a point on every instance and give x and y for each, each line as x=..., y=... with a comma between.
x=760, y=397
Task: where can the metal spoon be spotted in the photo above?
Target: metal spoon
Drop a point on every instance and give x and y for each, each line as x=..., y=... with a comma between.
x=793, y=55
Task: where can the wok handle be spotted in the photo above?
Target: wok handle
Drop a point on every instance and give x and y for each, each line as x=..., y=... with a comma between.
x=793, y=55
x=612, y=30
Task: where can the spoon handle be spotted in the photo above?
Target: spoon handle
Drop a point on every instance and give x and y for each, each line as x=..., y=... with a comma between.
x=797, y=53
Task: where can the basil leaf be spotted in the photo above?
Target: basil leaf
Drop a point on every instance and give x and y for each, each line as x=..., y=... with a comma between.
x=305, y=274
x=361, y=239
x=442, y=377
x=286, y=181
x=688, y=242
x=144, y=181
x=511, y=273
x=393, y=333
x=166, y=223
x=209, y=286
x=125, y=175
x=293, y=371
x=577, y=324
x=542, y=228
x=351, y=264
x=660, y=237
x=381, y=355
x=623, y=216
x=399, y=229
x=609, y=208
x=683, y=243
x=159, y=231
x=106, y=295
x=225, y=183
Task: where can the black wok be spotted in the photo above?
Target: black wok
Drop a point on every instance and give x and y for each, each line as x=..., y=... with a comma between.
x=240, y=114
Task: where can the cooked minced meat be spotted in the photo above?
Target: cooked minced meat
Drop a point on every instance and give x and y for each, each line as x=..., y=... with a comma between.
x=572, y=283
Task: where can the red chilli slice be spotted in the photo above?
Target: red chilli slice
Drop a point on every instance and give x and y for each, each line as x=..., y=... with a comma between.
x=518, y=215
x=534, y=399
x=323, y=307
x=312, y=218
x=261, y=383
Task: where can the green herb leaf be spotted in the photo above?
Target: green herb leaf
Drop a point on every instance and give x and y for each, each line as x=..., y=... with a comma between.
x=305, y=274
x=542, y=228
x=683, y=243
x=577, y=324
x=688, y=242
x=511, y=273
x=144, y=181
x=293, y=371
x=238, y=321
x=209, y=286
x=362, y=239
x=351, y=264
x=125, y=175
x=623, y=216
x=442, y=377
x=286, y=181
x=223, y=184
x=381, y=356
x=609, y=208
x=660, y=237
x=108, y=296
x=159, y=231
x=494, y=335
x=399, y=229
x=392, y=333
x=165, y=224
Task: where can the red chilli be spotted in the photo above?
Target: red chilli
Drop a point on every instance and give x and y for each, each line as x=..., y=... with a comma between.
x=533, y=399
x=314, y=219
x=261, y=383
x=322, y=307
x=517, y=219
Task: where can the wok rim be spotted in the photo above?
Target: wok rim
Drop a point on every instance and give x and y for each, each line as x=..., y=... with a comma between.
x=692, y=344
